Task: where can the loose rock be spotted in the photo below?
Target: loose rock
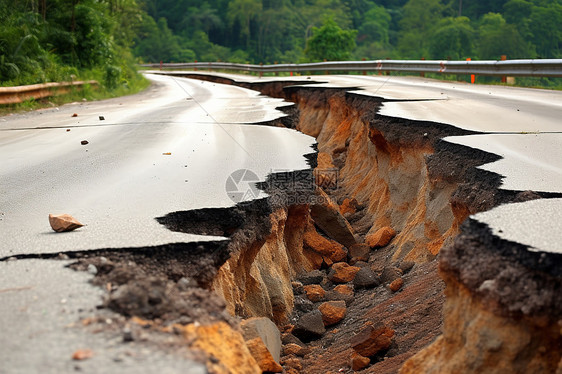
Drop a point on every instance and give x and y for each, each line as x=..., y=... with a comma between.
x=315, y=292
x=371, y=340
x=344, y=289
x=298, y=288
x=292, y=363
x=359, y=252
x=366, y=278
x=329, y=218
x=348, y=206
x=313, y=277
x=332, y=312
x=381, y=237
x=303, y=304
x=396, y=284
x=389, y=274
x=295, y=349
x=406, y=266
x=84, y=142
x=128, y=334
x=341, y=272
x=328, y=248
x=82, y=354
x=266, y=330
x=359, y=362
x=288, y=338
x=63, y=222
x=310, y=326
x=263, y=356
x=336, y=296
x=92, y=269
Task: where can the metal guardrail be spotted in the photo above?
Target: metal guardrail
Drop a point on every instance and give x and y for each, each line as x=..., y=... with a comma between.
x=513, y=68
x=18, y=94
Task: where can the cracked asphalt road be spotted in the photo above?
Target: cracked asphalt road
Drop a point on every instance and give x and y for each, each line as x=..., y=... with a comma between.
x=124, y=178
x=170, y=148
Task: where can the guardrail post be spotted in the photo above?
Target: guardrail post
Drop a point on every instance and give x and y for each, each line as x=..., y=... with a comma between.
x=504, y=78
x=472, y=76
x=161, y=64
x=364, y=71
x=195, y=68
x=422, y=74
x=276, y=73
x=388, y=71
x=261, y=72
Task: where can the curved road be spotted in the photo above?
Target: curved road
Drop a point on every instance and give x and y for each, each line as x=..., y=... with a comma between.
x=170, y=148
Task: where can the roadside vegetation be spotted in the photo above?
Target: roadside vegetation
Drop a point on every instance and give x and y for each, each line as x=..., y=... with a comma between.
x=62, y=40
x=69, y=40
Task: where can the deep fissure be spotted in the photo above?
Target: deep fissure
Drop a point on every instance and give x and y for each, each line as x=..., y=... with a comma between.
x=391, y=173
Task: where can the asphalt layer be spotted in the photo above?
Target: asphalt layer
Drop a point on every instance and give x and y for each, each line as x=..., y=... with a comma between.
x=43, y=305
x=170, y=149
x=512, y=222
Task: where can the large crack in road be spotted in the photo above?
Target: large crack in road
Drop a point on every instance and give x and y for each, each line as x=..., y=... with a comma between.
x=390, y=171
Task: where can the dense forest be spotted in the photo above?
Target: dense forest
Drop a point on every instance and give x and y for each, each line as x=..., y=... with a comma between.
x=43, y=40
x=60, y=40
x=282, y=30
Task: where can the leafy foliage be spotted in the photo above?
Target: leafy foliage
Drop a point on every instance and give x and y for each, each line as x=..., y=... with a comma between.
x=46, y=40
x=330, y=42
x=452, y=39
x=268, y=31
x=58, y=40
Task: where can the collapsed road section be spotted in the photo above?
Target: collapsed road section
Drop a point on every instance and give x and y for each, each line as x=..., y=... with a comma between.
x=394, y=251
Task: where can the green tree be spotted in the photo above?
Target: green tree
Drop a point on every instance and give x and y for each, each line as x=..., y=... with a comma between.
x=243, y=12
x=517, y=11
x=202, y=18
x=375, y=26
x=418, y=22
x=207, y=50
x=92, y=32
x=546, y=34
x=452, y=39
x=157, y=43
x=474, y=9
x=500, y=38
x=330, y=42
x=22, y=57
x=320, y=11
